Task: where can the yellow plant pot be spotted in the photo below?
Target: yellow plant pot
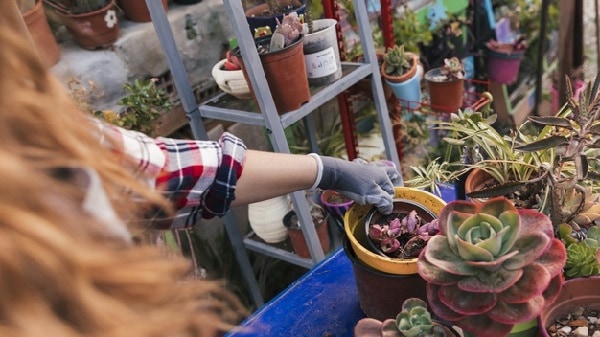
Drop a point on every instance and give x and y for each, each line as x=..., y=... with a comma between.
x=354, y=228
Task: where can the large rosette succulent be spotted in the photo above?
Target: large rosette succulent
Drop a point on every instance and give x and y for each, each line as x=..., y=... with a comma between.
x=492, y=266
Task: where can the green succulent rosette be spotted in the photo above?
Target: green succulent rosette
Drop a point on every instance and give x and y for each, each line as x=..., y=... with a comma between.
x=491, y=266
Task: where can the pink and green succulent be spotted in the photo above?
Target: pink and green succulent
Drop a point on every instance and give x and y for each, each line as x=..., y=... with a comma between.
x=491, y=266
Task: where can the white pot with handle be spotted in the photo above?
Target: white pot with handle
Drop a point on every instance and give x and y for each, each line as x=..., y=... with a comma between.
x=266, y=218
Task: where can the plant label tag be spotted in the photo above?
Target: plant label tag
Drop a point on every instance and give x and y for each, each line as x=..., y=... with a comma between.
x=320, y=64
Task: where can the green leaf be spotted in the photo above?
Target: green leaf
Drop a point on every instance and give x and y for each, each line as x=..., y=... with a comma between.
x=552, y=121
x=544, y=144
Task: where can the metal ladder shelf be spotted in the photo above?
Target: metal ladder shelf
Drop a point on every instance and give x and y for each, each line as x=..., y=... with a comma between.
x=353, y=72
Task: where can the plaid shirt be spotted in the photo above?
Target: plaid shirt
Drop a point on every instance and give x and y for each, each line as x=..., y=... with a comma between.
x=198, y=176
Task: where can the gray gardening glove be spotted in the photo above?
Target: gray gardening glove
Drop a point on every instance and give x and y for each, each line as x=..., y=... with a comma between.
x=363, y=182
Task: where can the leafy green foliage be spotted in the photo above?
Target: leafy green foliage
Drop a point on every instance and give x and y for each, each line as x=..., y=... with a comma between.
x=410, y=31
x=144, y=103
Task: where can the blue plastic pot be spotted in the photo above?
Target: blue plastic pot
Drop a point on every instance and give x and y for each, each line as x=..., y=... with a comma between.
x=409, y=91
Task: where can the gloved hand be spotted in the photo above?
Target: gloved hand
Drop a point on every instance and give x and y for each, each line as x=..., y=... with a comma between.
x=365, y=183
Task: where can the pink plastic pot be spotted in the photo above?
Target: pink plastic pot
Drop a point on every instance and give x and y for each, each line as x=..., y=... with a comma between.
x=504, y=67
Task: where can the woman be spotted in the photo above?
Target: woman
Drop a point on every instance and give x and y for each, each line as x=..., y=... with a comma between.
x=74, y=191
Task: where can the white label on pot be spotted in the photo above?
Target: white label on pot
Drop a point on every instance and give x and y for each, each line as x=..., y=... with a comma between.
x=321, y=63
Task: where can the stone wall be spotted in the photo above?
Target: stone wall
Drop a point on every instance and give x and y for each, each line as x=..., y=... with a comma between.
x=201, y=32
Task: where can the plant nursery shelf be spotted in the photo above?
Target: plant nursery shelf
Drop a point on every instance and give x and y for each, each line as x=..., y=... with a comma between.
x=230, y=108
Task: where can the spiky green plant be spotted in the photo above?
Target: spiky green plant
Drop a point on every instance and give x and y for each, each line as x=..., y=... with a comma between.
x=492, y=266
x=397, y=61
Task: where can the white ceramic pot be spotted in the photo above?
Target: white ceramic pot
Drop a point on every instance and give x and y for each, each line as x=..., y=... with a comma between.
x=231, y=81
x=266, y=218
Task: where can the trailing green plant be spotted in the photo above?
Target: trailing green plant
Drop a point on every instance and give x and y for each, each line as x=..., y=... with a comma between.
x=144, y=103
x=491, y=266
x=431, y=176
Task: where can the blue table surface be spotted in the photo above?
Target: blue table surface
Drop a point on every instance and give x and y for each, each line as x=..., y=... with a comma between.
x=322, y=303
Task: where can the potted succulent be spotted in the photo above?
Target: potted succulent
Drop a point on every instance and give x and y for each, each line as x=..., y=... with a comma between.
x=93, y=23
x=403, y=233
x=400, y=70
x=267, y=14
x=384, y=282
x=492, y=266
x=413, y=321
x=281, y=55
x=446, y=84
x=579, y=298
x=297, y=239
x=504, y=59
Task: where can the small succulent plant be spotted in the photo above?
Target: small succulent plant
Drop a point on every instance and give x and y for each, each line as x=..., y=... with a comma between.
x=397, y=61
x=491, y=266
x=287, y=32
x=403, y=236
x=413, y=321
x=583, y=249
x=453, y=68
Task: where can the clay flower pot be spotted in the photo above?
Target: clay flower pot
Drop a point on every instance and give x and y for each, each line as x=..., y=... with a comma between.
x=285, y=71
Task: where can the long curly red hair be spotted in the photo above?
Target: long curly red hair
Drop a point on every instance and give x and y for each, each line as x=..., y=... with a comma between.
x=60, y=273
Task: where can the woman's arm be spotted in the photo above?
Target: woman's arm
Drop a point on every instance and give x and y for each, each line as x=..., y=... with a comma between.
x=267, y=175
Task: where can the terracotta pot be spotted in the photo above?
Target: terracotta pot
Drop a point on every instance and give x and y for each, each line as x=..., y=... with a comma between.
x=255, y=17
x=476, y=180
x=285, y=72
x=137, y=11
x=445, y=96
x=42, y=35
x=298, y=239
x=577, y=292
x=404, y=77
x=93, y=30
